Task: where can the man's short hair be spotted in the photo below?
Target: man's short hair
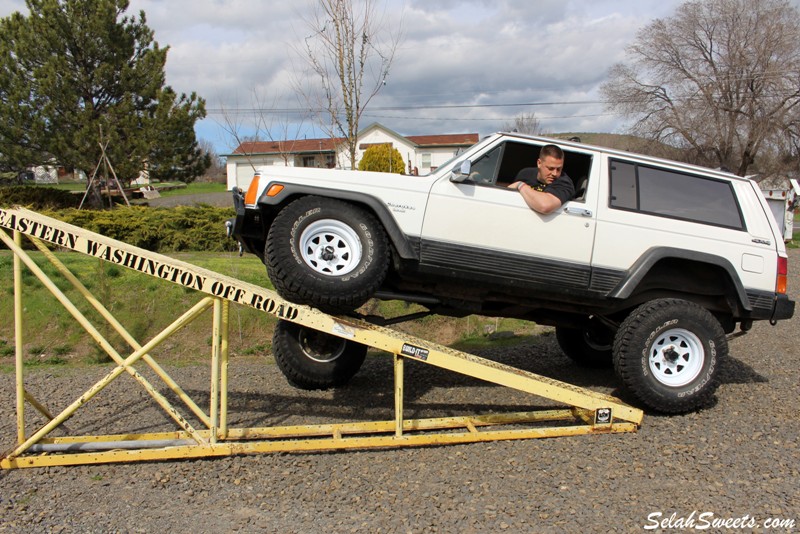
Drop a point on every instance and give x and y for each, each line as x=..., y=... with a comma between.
x=553, y=151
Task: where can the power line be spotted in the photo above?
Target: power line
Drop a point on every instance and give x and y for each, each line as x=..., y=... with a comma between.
x=223, y=111
x=494, y=119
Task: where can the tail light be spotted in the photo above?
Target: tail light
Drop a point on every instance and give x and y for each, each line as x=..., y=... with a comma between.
x=783, y=271
x=252, y=192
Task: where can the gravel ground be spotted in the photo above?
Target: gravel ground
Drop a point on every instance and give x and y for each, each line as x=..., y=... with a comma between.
x=737, y=460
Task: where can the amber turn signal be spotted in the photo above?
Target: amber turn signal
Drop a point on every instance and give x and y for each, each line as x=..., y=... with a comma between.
x=252, y=191
x=274, y=189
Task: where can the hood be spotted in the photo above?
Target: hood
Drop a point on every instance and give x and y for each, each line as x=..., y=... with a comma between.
x=341, y=179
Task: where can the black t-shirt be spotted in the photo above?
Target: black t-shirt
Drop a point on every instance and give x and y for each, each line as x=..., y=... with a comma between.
x=562, y=187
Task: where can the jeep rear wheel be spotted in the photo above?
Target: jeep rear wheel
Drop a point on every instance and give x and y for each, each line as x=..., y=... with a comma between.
x=668, y=353
x=310, y=359
x=588, y=347
x=326, y=253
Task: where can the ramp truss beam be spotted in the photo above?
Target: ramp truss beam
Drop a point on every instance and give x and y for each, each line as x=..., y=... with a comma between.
x=585, y=412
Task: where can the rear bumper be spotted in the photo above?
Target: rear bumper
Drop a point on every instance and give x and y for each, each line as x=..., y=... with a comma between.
x=784, y=308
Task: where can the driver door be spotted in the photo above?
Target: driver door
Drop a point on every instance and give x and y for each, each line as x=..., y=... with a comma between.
x=480, y=229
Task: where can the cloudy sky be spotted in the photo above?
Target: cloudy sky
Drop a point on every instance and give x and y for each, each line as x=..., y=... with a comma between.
x=462, y=65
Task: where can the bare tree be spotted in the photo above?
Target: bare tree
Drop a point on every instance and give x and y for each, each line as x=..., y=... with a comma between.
x=720, y=78
x=268, y=122
x=216, y=171
x=349, y=52
x=525, y=123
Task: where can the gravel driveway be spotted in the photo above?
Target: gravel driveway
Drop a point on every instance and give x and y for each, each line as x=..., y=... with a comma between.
x=737, y=461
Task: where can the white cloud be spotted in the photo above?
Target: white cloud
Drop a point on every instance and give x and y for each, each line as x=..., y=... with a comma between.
x=454, y=52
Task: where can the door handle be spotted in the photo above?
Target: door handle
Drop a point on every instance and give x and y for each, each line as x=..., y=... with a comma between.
x=583, y=212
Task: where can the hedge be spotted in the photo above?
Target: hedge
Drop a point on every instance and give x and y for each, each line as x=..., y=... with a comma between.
x=182, y=228
x=38, y=198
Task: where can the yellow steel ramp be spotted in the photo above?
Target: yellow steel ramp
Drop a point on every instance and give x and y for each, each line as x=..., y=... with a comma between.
x=580, y=411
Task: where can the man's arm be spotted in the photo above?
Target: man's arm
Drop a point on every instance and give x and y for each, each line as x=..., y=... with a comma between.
x=538, y=201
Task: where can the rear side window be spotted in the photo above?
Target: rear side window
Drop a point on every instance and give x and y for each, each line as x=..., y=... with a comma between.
x=674, y=194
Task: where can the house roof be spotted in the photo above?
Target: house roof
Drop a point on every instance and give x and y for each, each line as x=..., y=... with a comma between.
x=294, y=146
x=300, y=146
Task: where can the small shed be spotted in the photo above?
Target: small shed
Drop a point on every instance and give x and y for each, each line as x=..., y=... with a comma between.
x=782, y=194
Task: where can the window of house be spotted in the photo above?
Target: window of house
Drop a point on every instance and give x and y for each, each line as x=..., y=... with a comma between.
x=426, y=160
x=309, y=161
x=674, y=194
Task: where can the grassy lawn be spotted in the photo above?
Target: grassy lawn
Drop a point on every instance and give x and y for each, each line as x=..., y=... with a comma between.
x=195, y=188
x=184, y=189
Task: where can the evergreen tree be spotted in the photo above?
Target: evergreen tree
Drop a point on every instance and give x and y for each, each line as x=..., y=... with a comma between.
x=75, y=73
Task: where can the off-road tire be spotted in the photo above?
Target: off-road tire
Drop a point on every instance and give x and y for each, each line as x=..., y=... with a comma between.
x=298, y=237
x=585, y=346
x=668, y=353
x=310, y=359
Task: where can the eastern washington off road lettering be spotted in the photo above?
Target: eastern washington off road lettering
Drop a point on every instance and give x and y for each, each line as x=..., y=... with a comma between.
x=222, y=287
x=37, y=229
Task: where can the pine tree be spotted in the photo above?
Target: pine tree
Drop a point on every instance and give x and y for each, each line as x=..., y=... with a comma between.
x=74, y=73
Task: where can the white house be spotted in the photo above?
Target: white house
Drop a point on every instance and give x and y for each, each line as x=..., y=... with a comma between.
x=422, y=153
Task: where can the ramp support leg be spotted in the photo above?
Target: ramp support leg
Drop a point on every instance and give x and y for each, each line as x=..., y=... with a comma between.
x=18, y=340
x=398, y=394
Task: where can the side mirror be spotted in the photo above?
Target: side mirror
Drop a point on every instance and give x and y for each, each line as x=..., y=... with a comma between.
x=463, y=172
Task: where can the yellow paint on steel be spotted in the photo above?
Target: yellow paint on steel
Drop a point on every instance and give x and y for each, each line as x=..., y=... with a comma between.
x=123, y=365
x=18, y=339
x=120, y=329
x=581, y=417
x=100, y=385
x=215, y=369
x=354, y=428
x=223, y=372
x=303, y=445
x=398, y=394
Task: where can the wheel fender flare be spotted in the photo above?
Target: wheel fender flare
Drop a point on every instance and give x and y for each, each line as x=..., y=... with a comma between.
x=639, y=270
x=404, y=245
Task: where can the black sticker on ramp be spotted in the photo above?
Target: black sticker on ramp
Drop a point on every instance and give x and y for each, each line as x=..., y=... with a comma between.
x=414, y=351
x=602, y=416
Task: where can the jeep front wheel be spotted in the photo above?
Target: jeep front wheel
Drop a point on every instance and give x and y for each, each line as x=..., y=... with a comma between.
x=668, y=353
x=326, y=253
x=310, y=359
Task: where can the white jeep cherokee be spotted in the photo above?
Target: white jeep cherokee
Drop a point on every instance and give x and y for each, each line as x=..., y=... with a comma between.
x=647, y=267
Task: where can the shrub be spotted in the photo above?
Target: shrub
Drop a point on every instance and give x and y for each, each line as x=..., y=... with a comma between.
x=382, y=158
x=38, y=198
x=183, y=228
